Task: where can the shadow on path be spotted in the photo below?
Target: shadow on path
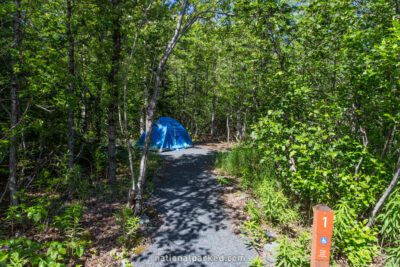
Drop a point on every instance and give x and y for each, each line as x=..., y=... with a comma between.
x=194, y=223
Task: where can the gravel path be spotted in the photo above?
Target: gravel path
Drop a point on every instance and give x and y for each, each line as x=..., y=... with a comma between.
x=195, y=228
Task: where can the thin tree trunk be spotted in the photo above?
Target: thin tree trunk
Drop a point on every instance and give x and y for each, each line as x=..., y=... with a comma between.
x=178, y=93
x=238, y=127
x=214, y=96
x=243, y=133
x=12, y=180
x=213, y=114
x=385, y=195
x=71, y=72
x=152, y=106
x=146, y=97
x=120, y=119
x=133, y=189
x=228, y=132
x=97, y=113
x=142, y=119
x=193, y=107
x=365, y=143
x=192, y=120
x=23, y=142
x=113, y=108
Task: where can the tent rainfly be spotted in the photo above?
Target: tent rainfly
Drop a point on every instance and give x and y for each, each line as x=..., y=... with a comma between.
x=167, y=134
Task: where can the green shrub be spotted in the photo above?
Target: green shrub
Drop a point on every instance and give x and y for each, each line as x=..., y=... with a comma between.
x=315, y=165
x=255, y=233
x=223, y=181
x=129, y=226
x=99, y=160
x=20, y=251
x=22, y=215
x=257, y=262
x=275, y=206
x=294, y=252
x=252, y=210
x=389, y=220
x=352, y=238
x=68, y=222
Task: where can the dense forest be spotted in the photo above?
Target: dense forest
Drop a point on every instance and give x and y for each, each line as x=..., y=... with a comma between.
x=309, y=90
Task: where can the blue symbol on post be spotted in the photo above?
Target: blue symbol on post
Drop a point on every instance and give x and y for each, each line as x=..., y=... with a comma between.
x=324, y=240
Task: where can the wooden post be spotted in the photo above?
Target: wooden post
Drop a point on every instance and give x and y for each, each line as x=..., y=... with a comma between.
x=321, y=236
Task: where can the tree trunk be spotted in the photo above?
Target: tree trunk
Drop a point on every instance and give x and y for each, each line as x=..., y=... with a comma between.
x=243, y=132
x=214, y=94
x=146, y=97
x=113, y=108
x=213, y=114
x=133, y=189
x=385, y=195
x=152, y=106
x=178, y=93
x=71, y=72
x=365, y=144
x=193, y=107
x=228, y=132
x=120, y=119
x=192, y=120
x=12, y=180
x=98, y=113
x=238, y=126
x=142, y=120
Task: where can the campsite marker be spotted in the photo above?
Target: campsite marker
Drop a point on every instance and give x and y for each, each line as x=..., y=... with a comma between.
x=321, y=236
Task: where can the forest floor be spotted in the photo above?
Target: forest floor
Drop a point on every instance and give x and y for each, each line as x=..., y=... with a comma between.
x=189, y=213
x=194, y=226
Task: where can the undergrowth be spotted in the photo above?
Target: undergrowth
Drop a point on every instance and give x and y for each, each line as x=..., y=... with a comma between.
x=24, y=228
x=274, y=203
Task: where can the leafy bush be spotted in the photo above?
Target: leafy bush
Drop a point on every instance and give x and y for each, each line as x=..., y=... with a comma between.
x=99, y=159
x=36, y=213
x=21, y=214
x=69, y=223
x=294, y=252
x=315, y=165
x=275, y=206
x=352, y=238
x=255, y=233
x=21, y=251
x=129, y=226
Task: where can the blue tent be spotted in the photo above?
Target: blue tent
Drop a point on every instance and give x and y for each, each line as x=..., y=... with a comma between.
x=167, y=134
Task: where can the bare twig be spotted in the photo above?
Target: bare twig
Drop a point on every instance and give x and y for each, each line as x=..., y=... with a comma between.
x=44, y=108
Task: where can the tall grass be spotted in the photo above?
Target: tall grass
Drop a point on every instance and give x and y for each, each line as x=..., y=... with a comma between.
x=258, y=177
x=244, y=162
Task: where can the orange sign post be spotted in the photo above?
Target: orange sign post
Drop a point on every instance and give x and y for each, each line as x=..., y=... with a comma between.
x=321, y=236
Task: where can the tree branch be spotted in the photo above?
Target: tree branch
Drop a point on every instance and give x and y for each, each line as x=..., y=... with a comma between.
x=385, y=195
